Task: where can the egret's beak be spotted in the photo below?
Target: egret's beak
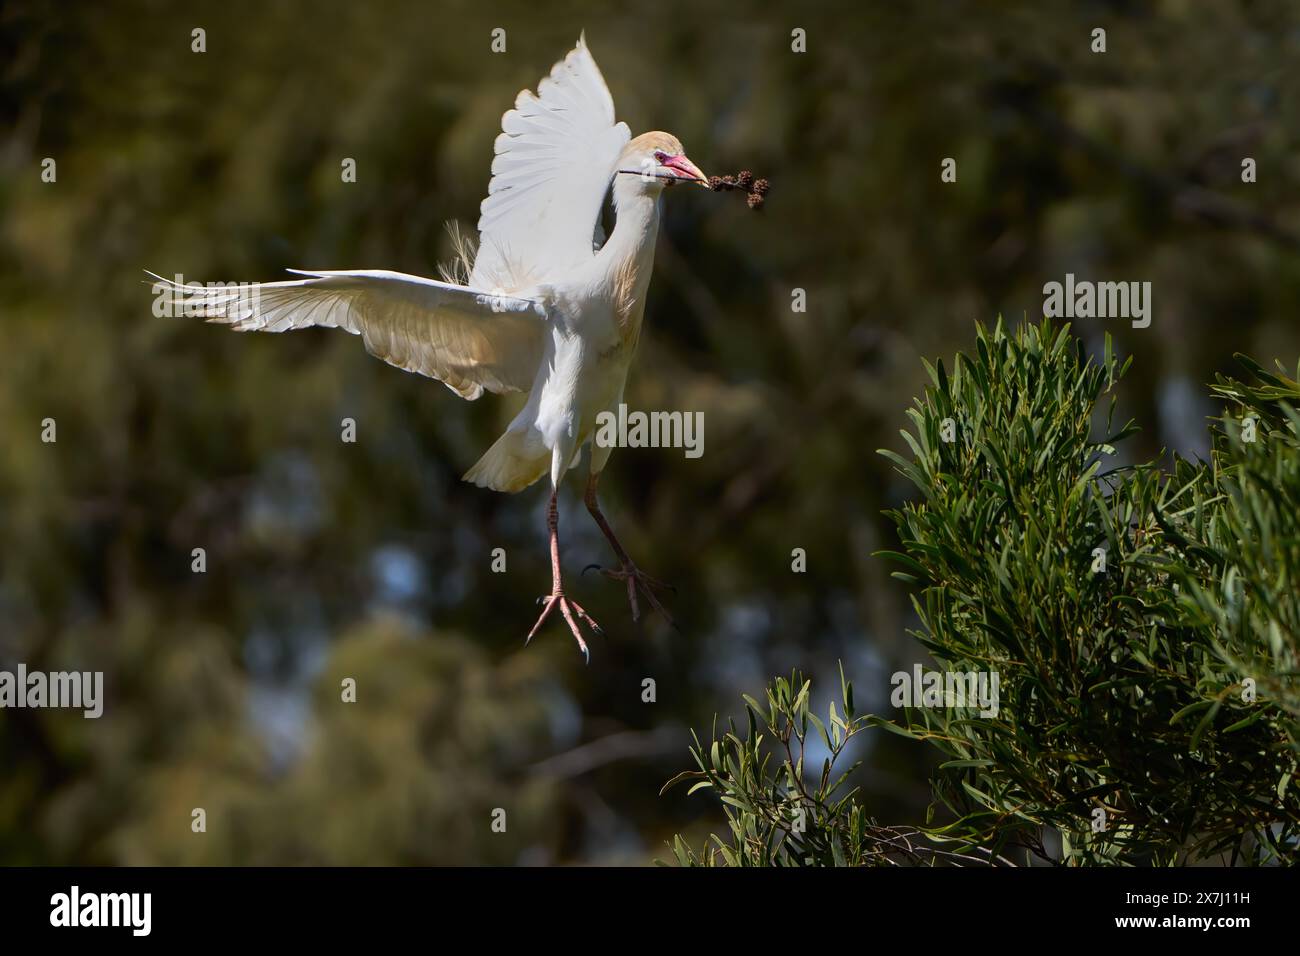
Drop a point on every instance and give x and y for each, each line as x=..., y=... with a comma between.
x=683, y=168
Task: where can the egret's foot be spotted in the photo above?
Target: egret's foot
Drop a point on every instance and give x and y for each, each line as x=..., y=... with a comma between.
x=569, y=608
x=638, y=581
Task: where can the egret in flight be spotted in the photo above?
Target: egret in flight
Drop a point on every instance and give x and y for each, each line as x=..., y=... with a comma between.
x=548, y=305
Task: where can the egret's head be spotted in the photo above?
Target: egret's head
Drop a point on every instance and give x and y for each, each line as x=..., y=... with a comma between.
x=657, y=160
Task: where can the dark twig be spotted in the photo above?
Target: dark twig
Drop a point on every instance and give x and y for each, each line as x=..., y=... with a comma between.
x=756, y=189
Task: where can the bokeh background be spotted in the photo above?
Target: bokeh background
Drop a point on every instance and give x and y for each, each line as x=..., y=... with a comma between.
x=373, y=561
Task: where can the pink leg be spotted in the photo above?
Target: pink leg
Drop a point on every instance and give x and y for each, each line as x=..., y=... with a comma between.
x=628, y=572
x=568, y=606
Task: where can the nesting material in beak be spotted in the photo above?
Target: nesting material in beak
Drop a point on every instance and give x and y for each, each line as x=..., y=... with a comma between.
x=755, y=188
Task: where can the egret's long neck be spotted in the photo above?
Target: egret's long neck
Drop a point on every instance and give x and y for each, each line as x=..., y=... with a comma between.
x=631, y=246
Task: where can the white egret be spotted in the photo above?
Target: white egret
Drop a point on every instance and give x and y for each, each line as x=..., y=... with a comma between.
x=548, y=305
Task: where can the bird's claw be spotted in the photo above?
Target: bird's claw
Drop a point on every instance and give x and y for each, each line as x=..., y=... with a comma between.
x=569, y=608
x=638, y=580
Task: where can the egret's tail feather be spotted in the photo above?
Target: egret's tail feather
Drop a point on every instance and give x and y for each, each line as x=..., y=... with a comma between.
x=509, y=465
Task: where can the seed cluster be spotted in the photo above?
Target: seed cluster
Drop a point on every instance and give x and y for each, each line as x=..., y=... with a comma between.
x=756, y=188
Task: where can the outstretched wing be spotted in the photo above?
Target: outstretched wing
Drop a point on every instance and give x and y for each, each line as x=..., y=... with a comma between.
x=468, y=339
x=554, y=161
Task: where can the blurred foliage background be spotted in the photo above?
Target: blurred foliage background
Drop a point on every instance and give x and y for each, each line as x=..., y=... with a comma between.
x=373, y=561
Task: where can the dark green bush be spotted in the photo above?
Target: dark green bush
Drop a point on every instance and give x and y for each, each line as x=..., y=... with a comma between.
x=787, y=817
x=1240, y=576
x=1142, y=621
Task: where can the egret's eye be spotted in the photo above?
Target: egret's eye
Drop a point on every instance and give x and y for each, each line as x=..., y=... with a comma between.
x=660, y=155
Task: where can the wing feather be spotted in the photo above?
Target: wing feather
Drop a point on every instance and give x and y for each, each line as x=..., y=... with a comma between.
x=468, y=339
x=551, y=170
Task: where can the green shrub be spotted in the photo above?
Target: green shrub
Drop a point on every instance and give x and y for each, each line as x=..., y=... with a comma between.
x=1240, y=575
x=784, y=817
x=1142, y=622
